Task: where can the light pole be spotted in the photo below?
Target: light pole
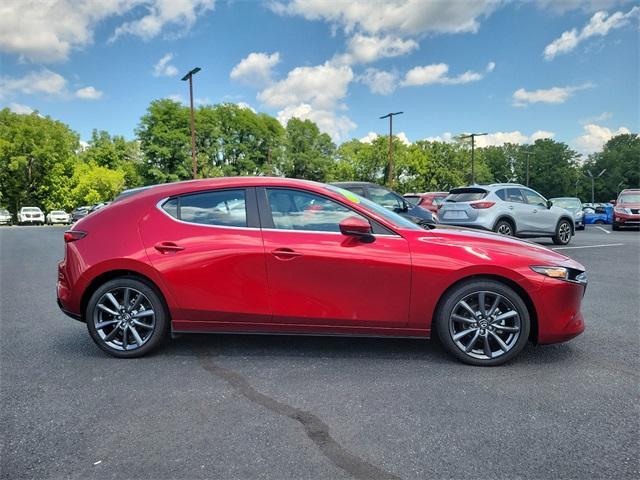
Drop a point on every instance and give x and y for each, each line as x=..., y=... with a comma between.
x=593, y=183
x=473, y=136
x=527, y=153
x=390, y=159
x=189, y=76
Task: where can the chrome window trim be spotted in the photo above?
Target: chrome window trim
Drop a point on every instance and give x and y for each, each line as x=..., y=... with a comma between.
x=226, y=227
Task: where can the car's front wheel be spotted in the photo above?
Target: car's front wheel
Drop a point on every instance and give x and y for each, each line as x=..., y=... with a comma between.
x=483, y=322
x=126, y=317
x=563, y=233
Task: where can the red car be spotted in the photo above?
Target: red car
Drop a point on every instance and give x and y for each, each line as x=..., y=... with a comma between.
x=626, y=212
x=276, y=255
x=429, y=201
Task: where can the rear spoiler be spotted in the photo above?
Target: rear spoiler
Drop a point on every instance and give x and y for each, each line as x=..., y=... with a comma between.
x=468, y=190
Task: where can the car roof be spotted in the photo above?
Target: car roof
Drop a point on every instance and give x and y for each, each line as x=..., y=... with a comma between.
x=355, y=184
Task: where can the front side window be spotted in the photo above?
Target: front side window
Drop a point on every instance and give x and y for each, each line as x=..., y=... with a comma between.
x=297, y=210
x=225, y=208
x=386, y=198
x=533, y=198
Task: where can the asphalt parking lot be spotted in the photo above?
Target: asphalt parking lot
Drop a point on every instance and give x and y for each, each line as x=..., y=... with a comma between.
x=227, y=406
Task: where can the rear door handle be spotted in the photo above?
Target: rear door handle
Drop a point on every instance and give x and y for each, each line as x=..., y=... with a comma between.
x=167, y=247
x=535, y=210
x=510, y=207
x=285, y=253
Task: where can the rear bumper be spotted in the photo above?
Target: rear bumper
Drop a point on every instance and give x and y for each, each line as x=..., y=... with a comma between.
x=75, y=316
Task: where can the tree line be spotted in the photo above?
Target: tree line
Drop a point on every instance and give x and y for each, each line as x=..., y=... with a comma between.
x=42, y=162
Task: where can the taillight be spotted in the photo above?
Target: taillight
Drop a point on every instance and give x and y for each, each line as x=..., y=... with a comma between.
x=482, y=205
x=73, y=235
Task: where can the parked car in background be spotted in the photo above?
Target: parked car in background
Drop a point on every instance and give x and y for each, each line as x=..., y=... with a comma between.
x=390, y=200
x=58, y=216
x=30, y=215
x=573, y=205
x=626, y=212
x=279, y=255
x=5, y=217
x=98, y=206
x=598, y=214
x=79, y=213
x=429, y=200
x=509, y=209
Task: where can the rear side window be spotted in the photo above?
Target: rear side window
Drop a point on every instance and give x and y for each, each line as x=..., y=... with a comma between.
x=514, y=195
x=357, y=190
x=225, y=208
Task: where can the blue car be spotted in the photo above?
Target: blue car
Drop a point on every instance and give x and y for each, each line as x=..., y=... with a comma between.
x=600, y=215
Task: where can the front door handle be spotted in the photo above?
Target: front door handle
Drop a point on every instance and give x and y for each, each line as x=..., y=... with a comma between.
x=285, y=253
x=535, y=210
x=167, y=247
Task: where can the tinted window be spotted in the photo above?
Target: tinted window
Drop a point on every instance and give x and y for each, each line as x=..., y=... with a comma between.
x=386, y=198
x=466, y=196
x=357, y=190
x=514, y=195
x=438, y=200
x=225, y=208
x=413, y=199
x=567, y=202
x=502, y=194
x=533, y=198
x=296, y=210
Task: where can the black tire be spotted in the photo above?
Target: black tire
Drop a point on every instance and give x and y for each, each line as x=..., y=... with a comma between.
x=152, y=301
x=580, y=228
x=504, y=227
x=445, y=325
x=615, y=226
x=599, y=222
x=562, y=237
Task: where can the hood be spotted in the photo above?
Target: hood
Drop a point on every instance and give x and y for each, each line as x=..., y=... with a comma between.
x=493, y=242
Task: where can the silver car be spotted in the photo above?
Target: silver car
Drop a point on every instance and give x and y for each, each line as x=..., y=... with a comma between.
x=509, y=209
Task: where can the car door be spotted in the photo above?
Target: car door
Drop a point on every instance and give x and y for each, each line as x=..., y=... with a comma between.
x=543, y=220
x=317, y=276
x=208, y=249
x=517, y=208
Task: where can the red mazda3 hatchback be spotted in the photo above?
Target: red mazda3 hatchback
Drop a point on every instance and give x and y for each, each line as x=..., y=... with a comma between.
x=276, y=255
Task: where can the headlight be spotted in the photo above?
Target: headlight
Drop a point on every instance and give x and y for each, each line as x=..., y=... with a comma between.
x=579, y=214
x=623, y=210
x=562, y=273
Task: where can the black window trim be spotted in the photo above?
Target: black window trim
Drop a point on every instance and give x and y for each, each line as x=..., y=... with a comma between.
x=266, y=218
x=251, y=207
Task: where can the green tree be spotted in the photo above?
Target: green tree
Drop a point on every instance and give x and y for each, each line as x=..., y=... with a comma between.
x=93, y=183
x=115, y=153
x=308, y=153
x=37, y=158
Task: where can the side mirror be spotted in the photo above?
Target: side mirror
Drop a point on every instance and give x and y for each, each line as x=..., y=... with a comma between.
x=549, y=204
x=612, y=202
x=356, y=227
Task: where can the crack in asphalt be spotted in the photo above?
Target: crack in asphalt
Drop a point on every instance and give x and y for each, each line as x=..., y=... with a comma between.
x=315, y=429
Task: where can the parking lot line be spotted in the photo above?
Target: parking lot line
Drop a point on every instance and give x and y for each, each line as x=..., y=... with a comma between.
x=604, y=230
x=590, y=246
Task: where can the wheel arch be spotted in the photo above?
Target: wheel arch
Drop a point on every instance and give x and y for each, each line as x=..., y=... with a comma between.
x=121, y=273
x=533, y=315
x=507, y=218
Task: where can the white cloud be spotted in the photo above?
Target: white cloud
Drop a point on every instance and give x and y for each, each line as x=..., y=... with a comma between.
x=255, y=69
x=48, y=31
x=497, y=138
x=402, y=17
x=322, y=86
x=597, y=118
x=20, y=109
x=367, y=49
x=164, y=68
x=595, y=136
x=446, y=137
x=246, y=106
x=600, y=24
x=89, y=93
x=175, y=97
x=336, y=125
x=43, y=81
x=371, y=136
x=541, y=134
x=554, y=95
x=177, y=14
x=437, y=73
x=379, y=81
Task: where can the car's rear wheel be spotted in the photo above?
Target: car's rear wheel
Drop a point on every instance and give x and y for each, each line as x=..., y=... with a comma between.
x=504, y=227
x=563, y=233
x=126, y=317
x=483, y=322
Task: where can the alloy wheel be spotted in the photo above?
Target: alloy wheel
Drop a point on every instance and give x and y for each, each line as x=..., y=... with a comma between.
x=124, y=318
x=505, y=229
x=564, y=232
x=485, y=325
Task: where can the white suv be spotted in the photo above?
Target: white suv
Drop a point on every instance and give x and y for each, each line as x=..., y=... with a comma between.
x=509, y=209
x=31, y=215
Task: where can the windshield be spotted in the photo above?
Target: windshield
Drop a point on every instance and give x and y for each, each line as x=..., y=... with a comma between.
x=566, y=202
x=413, y=199
x=31, y=209
x=58, y=212
x=392, y=217
x=4, y=212
x=438, y=200
x=629, y=198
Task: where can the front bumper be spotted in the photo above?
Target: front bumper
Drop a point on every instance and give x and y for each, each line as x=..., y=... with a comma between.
x=626, y=220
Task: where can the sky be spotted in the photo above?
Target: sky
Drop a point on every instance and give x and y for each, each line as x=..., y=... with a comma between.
x=519, y=71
